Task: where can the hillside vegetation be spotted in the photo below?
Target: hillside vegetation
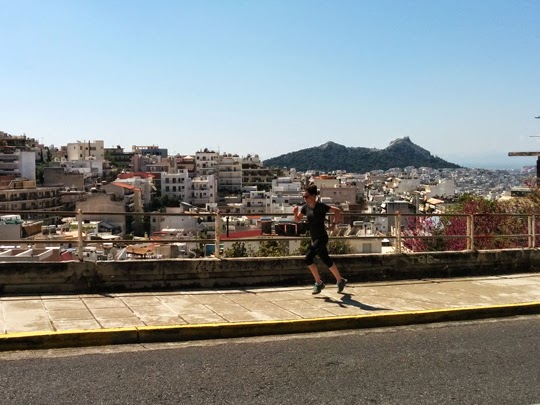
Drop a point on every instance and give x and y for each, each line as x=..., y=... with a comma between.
x=332, y=156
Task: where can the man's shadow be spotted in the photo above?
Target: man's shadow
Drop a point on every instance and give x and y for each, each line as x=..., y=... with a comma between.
x=347, y=300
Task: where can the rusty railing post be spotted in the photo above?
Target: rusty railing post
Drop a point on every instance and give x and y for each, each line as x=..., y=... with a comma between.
x=397, y=227
x=218, y=234
x=80, y=242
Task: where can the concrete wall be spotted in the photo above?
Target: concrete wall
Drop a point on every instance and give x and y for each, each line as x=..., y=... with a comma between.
x=110, y=276
x=55, y=176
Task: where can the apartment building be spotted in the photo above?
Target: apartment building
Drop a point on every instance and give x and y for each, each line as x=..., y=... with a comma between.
x=176, y=184
x=326, y=181
x=150, y=163
x=203, y=191
x=136, y=191
x=443, y=188
x=405, y=184
x=229, y=176
x=20, y=164
x=255, y=202
x=187, y=162
x=339, y=194
x=254, y=174
x=284, y=194
x=58, y=176
x=107, y=207
x=119, y=156
x=152, y=150
x=23, y=195
x=86, y=150
x=206, y=162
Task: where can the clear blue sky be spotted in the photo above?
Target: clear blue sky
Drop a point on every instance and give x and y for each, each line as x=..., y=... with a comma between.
x=461, y=78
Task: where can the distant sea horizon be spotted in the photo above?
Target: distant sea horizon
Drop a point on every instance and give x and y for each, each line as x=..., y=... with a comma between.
x=496, y=163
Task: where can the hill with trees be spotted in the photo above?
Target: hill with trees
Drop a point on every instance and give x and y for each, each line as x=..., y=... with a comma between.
x=331, y=156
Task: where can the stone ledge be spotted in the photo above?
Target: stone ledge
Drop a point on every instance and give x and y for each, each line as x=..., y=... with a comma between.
x=108, y=276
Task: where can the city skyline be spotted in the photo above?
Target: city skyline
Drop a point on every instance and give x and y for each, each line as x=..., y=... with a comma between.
x=271, y=77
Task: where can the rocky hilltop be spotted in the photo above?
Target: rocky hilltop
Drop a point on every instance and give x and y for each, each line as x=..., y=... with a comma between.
x=331, y=156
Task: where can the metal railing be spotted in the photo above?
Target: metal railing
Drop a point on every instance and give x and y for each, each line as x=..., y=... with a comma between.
x=406, y=232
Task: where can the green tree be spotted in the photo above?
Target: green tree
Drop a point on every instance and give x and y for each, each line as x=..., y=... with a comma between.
x=238, y=249
x=303, y=248
x=273, y=248
x=339, y=247
x=40, y=173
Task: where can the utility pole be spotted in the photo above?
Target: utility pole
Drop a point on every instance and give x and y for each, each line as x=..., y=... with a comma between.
x=537, y=154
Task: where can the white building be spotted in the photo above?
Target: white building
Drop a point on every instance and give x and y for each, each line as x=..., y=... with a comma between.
x=444, y=188
x=285, y=193
x=202, y=191
x=254, y=174
x=89, y=168
x=404, y=185
x=206, y=162
x=255, y=202
x=176, y=184
x=86, y=150
x=177, y=226
x=129, y=188
x=339, y=195
x=229, y=176
x=18, y=164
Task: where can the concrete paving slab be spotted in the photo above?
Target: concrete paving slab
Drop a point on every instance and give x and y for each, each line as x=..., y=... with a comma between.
x=284, y=295
x=112, y=313
x=149, y=300
x=215, y=300
x=64, y=305
x=18, y=315
x=275, y=314
x=225, y=308
x=126, y=322
x=159, y=309
x=20, y=305
x=194, y=309
x=21, y=298
x=241, y=316
x=64, y=315
x=29, y=326
x=268, y=309
x=203, y=318
x=102, y=302
x=85, y=324
x=161, y=320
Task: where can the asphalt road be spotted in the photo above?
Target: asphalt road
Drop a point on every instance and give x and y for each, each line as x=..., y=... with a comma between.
x=488, y=362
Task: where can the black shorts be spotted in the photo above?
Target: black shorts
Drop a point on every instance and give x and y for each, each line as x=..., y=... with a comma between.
x=318, y=247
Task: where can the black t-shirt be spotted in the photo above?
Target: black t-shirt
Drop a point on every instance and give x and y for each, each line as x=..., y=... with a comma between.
x=315, y=217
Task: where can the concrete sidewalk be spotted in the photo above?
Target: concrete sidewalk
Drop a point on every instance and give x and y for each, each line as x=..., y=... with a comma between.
x=36, y=322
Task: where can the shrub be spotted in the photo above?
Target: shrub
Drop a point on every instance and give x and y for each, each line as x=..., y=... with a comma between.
x=273, y=248
x=238, y=249
x=339, y=247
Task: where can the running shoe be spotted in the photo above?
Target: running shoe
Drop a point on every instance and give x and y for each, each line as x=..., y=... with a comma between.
x=341, y=284
x=317, y=288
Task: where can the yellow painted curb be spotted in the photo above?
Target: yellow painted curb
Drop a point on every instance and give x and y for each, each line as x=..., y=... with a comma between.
x=244, y=329
x=69, y=338
x=173, y=333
